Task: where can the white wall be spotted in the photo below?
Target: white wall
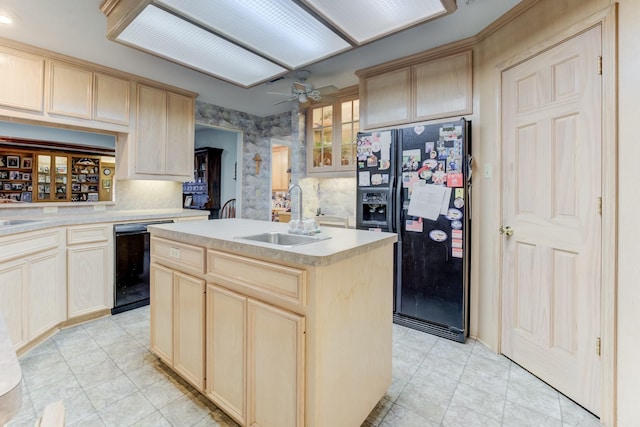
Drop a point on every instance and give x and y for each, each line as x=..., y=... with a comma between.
x=227, y=140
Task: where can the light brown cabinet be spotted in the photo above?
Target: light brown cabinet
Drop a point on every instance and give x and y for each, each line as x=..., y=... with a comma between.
x=21, y=80
x=90, y=269
x=279, y=166
x=280, y=338
x=254, y=359
x=82, y=93
x=32, y=284
x=386, y=98
x=164, y=141
x=177, y=322
x=416, y=89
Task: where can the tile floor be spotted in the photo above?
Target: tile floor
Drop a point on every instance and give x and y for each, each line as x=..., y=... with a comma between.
x=106, y=376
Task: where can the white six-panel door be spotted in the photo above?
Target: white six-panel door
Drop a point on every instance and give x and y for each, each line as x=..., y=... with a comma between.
x=551, y=264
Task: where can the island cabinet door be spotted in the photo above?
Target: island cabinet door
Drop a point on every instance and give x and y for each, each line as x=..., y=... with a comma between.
x=161, y=301
x=226, y=354
x=276, y=366
x=188, y=329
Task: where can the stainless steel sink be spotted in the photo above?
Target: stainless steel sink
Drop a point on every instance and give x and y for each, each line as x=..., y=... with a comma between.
x=284, y=239
x=10, y=222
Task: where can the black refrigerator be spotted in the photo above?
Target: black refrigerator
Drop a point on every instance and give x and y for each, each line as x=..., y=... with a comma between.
x=416, y=182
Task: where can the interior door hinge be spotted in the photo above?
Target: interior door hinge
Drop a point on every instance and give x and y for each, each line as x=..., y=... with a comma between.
x=599, y=65
x=598, y=346
x=600, y=205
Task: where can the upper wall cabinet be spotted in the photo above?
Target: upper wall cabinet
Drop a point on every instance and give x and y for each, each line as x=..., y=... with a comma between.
x=85, y=94
x=416, y=89
x=164, y=142
x=386, y=98
x=16, y=67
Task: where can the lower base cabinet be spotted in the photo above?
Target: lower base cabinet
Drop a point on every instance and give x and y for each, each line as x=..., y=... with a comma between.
x=90, y=268
x=32, y=285
x=254, y=359
x=177, y=322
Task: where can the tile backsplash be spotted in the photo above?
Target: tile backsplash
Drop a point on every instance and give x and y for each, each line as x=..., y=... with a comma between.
x=333, y=196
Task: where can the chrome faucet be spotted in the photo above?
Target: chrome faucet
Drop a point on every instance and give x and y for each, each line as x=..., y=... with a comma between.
x=291, y=188
x=301, y=225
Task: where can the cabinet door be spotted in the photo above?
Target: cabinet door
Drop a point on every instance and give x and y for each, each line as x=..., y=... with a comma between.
x=71, y=91
x=279, y=165
x=151, y=131
x=111, y=99
x=161, y=301
x=180, y=135
x=21, y=80
x=89, y=286
x=276, y=366
x=13, y=300
x=226, y=355
x=46, y=292
x=386, y=98
x=443, y=87
x=188, y=353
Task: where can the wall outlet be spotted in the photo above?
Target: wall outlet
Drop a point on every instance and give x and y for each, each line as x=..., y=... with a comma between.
x=99, y=207
x=50, y=209
x=488, y=171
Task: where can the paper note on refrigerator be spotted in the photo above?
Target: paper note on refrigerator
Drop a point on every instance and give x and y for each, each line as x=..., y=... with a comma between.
x=426, y=201
x=364, y=179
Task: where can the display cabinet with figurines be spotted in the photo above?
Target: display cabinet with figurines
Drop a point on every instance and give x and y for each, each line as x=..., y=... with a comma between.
x=62, y=173
x=85, y=179
x=52, y=177
x=16, y=174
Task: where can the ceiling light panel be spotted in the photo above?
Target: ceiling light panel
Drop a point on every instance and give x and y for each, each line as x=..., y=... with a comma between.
x=166, y=35
x=367, y=20
x=279, y=29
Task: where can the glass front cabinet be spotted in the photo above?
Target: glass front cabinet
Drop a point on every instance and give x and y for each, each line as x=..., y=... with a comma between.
x=332, y=135
x=41, y=176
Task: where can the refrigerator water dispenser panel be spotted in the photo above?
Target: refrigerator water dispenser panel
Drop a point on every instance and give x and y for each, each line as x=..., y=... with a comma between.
x=374, y=210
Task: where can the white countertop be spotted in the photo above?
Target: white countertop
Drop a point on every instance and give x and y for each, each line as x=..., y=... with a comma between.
x=10, y=377
x=60, y=219
x=222, y=234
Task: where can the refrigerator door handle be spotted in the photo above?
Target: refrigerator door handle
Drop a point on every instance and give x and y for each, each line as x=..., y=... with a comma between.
x=397, y=211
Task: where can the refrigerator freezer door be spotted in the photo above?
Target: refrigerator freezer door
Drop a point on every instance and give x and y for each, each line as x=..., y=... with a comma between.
x=431, y=276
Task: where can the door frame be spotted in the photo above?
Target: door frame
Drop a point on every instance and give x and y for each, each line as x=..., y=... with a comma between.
x=607, y=19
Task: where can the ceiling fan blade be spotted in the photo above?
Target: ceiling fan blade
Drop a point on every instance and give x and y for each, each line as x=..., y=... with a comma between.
x=279, y=93
x=286, y=100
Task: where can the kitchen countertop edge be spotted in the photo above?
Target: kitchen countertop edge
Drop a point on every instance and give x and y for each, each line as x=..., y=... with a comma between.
x=224, y=235
x=57, y=220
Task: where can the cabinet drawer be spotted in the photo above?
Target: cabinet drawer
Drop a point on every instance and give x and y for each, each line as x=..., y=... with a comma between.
x=276, y=281
x=88, y=234
x=183, y=257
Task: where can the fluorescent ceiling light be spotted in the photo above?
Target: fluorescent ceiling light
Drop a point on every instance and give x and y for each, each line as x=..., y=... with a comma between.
x=279, y=29
x=366, y=20
x=247, y=42
x=166, y=35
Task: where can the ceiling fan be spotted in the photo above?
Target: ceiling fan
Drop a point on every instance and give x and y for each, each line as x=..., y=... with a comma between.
x=304, y=91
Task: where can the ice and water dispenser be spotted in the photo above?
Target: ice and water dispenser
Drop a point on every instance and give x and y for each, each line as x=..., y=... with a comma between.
x=374, y=209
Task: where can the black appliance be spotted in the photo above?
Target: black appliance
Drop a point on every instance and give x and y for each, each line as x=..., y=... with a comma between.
x=131, y=288
x=416, y=182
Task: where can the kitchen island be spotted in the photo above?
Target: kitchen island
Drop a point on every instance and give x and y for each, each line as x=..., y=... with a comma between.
x=275, y=335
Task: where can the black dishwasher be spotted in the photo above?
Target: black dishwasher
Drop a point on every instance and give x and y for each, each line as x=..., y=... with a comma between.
x=131, y=288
